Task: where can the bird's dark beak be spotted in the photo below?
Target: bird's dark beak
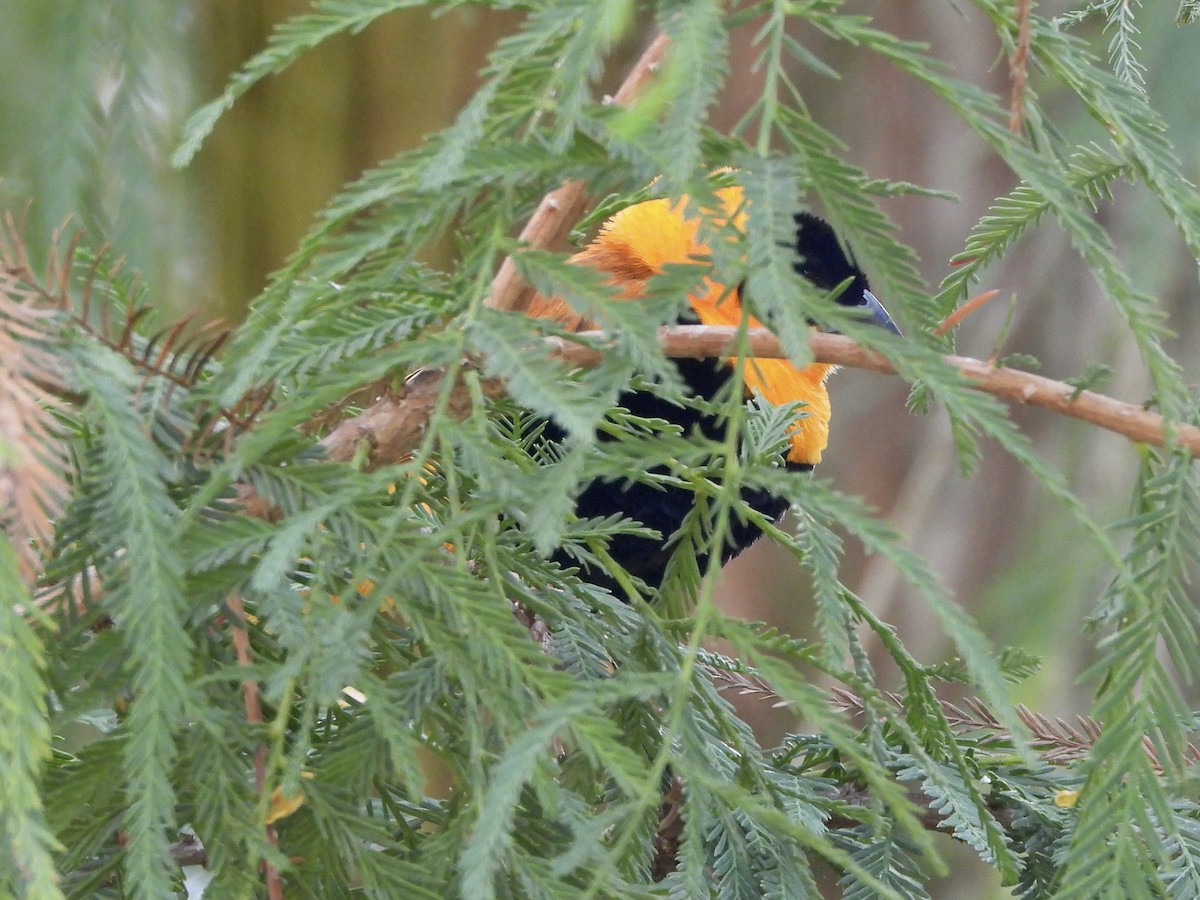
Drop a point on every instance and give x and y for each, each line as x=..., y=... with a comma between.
x=874, y=313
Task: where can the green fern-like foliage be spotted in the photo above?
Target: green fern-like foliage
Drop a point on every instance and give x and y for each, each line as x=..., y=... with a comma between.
x=352, y=679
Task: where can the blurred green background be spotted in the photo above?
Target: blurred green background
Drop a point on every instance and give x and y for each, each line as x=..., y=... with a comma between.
x=96, y=93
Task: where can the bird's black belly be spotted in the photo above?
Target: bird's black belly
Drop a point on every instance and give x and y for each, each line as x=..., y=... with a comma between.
x=664, y=509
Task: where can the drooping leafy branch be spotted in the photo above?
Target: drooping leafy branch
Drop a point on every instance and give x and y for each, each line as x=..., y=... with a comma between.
x=341, y=691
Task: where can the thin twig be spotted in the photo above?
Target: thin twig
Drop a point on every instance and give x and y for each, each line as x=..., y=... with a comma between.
x=1128, y=419
x=252, y=702
x=558, y=211
x=392, y=428
x=1018, y=64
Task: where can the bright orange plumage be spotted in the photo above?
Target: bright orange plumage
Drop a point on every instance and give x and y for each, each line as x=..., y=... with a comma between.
x=637, y=242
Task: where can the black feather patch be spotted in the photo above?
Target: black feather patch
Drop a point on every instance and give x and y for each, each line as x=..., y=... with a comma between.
x=821, y=259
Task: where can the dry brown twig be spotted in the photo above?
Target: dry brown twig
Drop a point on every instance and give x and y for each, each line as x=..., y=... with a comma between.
x=1128, y=419
x=1018, y=64
x=252, y=702
x=392, y=428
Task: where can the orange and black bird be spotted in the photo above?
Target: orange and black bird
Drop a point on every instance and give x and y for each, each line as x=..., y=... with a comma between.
x=631, y=247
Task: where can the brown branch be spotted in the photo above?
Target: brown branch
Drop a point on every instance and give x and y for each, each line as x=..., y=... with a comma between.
x=548, y=227
x=252, y=701
x=392, y=428
x=1128, y=419
x=561, y=208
